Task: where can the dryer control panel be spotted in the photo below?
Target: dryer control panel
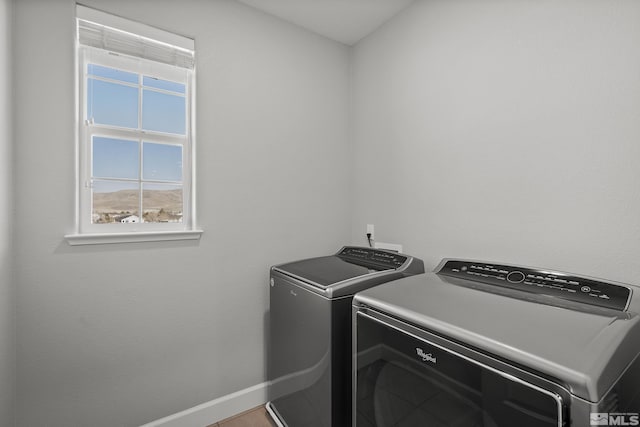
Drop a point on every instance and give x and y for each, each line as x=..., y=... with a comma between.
x=376, y=257
x=563, y=285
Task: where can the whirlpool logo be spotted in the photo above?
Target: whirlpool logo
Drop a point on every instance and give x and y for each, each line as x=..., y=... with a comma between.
x=614, y=419
x=426, y=357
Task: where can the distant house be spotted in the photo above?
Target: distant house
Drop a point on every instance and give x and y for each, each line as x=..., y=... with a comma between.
x=130, y=219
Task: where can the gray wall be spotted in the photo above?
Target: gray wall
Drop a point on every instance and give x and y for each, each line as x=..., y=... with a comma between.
x=498, y=130
x=7, y=215
x=124, y=334
x=503, y=130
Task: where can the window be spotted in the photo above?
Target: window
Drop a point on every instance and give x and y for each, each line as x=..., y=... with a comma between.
x=135, y=131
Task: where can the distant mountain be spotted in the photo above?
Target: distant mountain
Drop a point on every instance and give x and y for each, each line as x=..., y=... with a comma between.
x=127, y=201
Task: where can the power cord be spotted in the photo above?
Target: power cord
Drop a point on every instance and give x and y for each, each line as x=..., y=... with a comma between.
x=369, y=239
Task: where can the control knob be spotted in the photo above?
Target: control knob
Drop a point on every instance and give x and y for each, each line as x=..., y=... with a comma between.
x=515, y=276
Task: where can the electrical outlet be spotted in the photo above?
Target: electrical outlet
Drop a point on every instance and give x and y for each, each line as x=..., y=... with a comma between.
x=370, y=230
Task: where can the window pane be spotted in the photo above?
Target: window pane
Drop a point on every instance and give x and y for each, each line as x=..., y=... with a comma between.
x=115, y=201
x=162, y=203
x=115, y=158
x=112, y=73
x=162, y=162
x=163, y=113
x=163, y=84
x=112, y=104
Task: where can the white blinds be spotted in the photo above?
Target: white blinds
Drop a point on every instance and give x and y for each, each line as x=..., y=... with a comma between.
x=122, y=39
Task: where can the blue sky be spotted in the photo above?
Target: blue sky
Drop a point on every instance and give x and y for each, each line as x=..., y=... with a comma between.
x=116, y=103
x=119, y=158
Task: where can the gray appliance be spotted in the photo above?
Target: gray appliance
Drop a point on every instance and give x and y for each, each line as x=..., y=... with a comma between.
x=309, y=362
x=481, y=344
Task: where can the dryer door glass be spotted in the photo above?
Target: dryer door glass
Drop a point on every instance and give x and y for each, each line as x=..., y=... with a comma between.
x=402, y=380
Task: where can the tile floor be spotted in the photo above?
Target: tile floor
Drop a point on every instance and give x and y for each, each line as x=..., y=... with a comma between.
x=256, y=417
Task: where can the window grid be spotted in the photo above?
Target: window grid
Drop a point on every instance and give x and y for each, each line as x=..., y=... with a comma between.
x=141, y=136
x=141, y=88
x=140, y=180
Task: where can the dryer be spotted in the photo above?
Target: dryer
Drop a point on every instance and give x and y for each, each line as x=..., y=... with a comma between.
x=309, y=362
x=484, y=344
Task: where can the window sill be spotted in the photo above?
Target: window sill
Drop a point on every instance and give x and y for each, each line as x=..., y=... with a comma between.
x=133, y=237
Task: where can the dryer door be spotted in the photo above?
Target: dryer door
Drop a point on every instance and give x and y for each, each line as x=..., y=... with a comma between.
x=404, y=380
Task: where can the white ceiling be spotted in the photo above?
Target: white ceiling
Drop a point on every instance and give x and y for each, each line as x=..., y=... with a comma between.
x=346, y=21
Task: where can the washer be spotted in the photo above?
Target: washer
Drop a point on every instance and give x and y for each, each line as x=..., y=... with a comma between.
x=309, y=364
x=483, y=344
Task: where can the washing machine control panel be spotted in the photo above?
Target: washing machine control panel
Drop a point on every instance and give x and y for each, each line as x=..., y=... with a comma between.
x=562, y=285
x=372, y=256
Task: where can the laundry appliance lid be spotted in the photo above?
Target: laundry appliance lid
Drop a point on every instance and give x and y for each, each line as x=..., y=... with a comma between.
x=327, y=270
x=585, y=348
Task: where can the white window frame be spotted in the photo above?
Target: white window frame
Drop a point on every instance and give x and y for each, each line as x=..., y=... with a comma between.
x=86, y=232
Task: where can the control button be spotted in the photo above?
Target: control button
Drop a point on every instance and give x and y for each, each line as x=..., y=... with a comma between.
x=572, y=282
x=585, y=289
x=604, y=296
x=515, y=277
x=464, y=268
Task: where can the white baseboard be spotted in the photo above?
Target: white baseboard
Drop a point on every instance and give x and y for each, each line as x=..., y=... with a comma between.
x=216, y=410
